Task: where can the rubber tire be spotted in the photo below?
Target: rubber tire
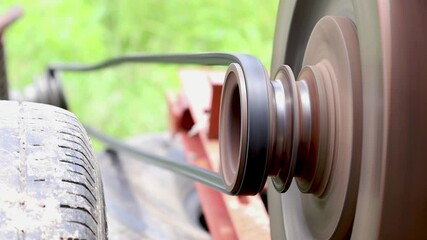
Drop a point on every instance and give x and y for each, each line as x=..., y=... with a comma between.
x=50, y=184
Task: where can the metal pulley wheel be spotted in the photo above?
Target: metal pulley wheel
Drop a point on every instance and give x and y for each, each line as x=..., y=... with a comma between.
x=366, y=58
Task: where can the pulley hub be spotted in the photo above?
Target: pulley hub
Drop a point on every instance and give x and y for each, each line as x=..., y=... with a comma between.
x=295, y=129
x=297, y=137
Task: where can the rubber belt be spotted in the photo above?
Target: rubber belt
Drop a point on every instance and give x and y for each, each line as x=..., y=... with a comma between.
x=212, y=179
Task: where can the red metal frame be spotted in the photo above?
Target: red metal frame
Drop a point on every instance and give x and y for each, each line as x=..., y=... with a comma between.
x=194, y=117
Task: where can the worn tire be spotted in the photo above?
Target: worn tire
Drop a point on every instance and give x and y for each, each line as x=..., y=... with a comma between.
x=50, y=184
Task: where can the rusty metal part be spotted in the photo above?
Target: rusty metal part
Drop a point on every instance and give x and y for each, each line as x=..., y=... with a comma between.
x=249, y=218
x=6, y=19
x=213, y=132
x=179, y=113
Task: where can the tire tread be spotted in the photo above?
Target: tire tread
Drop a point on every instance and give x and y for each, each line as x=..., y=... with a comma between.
x=47, y=162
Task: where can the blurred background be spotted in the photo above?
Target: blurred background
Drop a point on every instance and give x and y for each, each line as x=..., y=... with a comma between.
x=128, y=100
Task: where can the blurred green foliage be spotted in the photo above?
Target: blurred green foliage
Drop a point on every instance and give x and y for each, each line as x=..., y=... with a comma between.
x=129, y=100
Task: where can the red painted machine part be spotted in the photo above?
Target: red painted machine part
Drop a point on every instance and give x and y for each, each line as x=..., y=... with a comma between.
x=197, y=105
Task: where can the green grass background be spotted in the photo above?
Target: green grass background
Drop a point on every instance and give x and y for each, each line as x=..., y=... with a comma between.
x=129, y=100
